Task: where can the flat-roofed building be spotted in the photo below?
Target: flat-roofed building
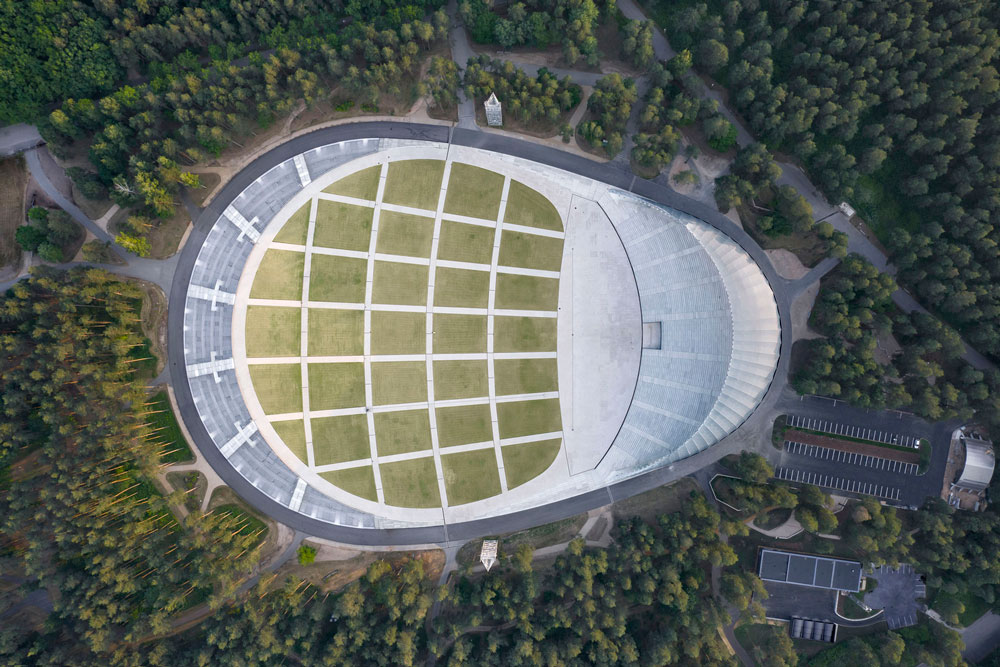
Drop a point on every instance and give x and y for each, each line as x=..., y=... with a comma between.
x=806, y=570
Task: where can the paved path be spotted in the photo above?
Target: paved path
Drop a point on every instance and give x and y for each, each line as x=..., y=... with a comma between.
x=982, y=637
x=17, y=138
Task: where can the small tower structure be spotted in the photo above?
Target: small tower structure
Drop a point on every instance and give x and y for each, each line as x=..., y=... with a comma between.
x=488, y=554
x=494, y=113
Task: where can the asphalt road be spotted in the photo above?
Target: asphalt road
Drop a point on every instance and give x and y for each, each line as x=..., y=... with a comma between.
x=17, y=138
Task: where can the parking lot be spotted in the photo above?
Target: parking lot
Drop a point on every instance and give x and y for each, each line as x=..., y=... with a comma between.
x=847, y=430
x=897, y=593
x=837, y=456
x=839, y=483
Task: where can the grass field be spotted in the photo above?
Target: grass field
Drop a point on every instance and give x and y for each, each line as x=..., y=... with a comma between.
x=525, y=376
x=401, y=284
x=473, y=192
x=340, y=439
x=415, y=183
x=520, y=418
x=526, y=292
x=399, y=382
x=336, y=332
x=273, y=332
x=359, y=481
x=470, y=476
x=464, y=424
x=163, y=422
x=404, y=234
x=339, y=279
x=333, y=386
x=13, y=177
x=530, y=208
x=524, y=462
x=343, y=226
x=278, y=387
x=398, y=333
x=361, y=184
x=459, y=334
x=530, y=251
x=293, y=434
x=279, y=276
x=402, y=432
x=460, y=379
x=461, y=288
x=296, y=227
x=524, y=334
x=410, y=483
x=460, y=242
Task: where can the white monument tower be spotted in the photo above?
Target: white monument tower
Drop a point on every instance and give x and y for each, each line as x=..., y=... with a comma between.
x=494, y=114
x=488, y=555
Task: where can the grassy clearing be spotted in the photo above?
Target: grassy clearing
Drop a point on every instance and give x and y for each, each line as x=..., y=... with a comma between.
x=273, y=332
x=334, y=386
x=974, y=605
x=473, y=192
x=556, y=532
x=470, y=476
x=340, y=439
x=522, y=463
x=279, y=276
x=402, y=432
x=399, y=382
x=358, y=481
x=464, y=424
x=398, y=333
x=530, y=208
x=336, y=332
x=530, y=251
x=339, y=279
x=415, y=183
x=524, y=334
x=343, y=226
x=461, y=288
x=293, y=434
x=13, y=178
x=460, y=379
x=278, y=387
x=459, y=334
x=460, y=242
x=399, y=284
x=526, y=292
x=163, y=422
x=404, y=234
x=520, y=418
x=296, y=227
x=361, y=184
x=410, y=483
x=526, y=376
x=661, y=500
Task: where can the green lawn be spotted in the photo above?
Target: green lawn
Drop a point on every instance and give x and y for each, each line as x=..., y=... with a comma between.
x=336, y=333
x=460, y=242
x=279, y=276
x=296, y=227
x=524, y=462
x=525, y=376
x=402, y=432
x=399, y=382
x=530, y=208
x=464, y=424
x=470, y=476
x=459, y=334
x=410, y=483
x=359, y=481
x=278, y=387
x=398, y=333
x=974, y=605
x=520, y=418
x=163, y=423
x=339, y=279
x=273, y=332
x=524, y=334
x=461, y=288
x=400, y=284
x=460, y=379
x=361, y=184
x=344, y=226
x=335, y=386
x=340, y=439
x=404, y=234
x=293, y=434
x=473, y=191
x=526, y=292
x=415, y=183
x=530, y=251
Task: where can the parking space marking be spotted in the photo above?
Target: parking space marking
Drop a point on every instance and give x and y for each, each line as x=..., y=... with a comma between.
x=851, y=431
x=875, y=462
x=838, y=483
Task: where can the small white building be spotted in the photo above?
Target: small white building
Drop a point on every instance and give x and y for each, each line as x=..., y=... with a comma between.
x=488, y=554
x=494, y=113
x=979, y=463
x=846, y=209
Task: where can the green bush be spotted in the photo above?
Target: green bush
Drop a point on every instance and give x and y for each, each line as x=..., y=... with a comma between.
x=307, y=554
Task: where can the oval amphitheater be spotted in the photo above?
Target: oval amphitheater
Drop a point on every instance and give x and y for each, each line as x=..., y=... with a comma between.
x=385, y=334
